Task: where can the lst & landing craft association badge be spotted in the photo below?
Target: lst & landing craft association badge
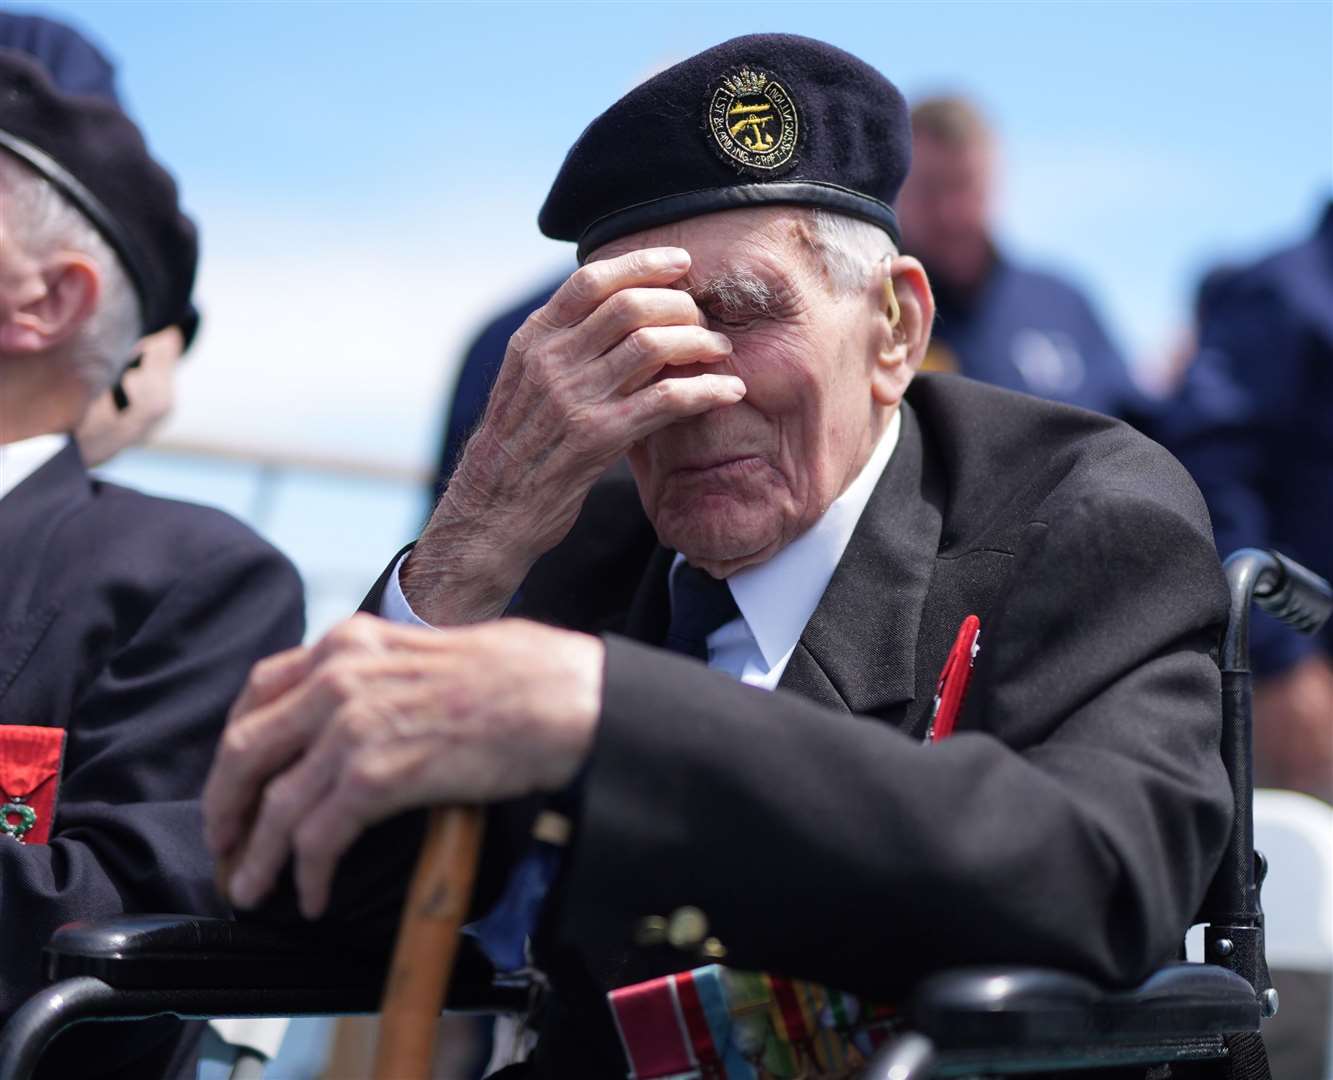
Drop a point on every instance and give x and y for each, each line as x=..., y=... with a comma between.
x=753, y=121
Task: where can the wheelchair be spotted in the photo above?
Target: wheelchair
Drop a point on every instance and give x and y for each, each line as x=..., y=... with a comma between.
x=972, y=1022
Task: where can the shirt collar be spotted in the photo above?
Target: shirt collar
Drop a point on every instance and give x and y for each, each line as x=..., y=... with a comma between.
x=19, y=460
x=777, y=597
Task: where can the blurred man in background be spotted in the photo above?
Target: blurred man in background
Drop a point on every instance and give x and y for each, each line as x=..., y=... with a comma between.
x=144, y=395
x=1253, y=422
x=998, y=322
x=127, y=623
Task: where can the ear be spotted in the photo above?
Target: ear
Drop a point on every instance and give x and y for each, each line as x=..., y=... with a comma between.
x=62, y=298
x=909, y=310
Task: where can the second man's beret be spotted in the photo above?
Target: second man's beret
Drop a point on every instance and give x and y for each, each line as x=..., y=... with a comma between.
x=96, y=156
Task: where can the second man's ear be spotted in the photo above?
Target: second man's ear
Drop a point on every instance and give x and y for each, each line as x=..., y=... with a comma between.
x=60, y=302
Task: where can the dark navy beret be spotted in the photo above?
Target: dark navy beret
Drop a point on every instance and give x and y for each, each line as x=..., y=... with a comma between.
x=757, y=120
x=96, y=156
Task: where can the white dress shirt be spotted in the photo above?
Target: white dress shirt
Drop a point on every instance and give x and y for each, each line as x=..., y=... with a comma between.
x=776, y=598
x=19, y=460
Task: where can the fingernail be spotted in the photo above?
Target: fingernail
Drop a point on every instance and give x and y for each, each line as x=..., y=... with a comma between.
x=675, y=256
x=723, y=342
x=732, y=384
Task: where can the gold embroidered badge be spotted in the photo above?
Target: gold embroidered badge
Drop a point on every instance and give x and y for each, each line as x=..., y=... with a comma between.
x=753, y=121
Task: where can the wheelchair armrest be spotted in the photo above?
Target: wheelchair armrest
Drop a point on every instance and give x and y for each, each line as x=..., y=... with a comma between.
x=185, y=952
x=1015, y=1007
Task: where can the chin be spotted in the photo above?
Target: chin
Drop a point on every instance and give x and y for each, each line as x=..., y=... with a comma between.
x=718, y=535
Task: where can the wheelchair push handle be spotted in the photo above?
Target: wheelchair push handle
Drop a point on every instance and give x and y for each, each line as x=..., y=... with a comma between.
x=1300, y=597
x=1280, y=586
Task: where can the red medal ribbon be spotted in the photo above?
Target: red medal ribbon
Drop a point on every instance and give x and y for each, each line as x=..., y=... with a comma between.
x=30, y=778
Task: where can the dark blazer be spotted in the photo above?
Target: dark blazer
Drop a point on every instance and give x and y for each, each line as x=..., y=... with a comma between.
x=1074, y=819
x=131, y=622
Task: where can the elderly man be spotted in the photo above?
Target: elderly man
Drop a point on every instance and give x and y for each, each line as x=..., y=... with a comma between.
x=127, y=623
x=743, y=327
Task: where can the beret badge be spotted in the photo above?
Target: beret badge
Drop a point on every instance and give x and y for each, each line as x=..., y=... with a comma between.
x=752, y=122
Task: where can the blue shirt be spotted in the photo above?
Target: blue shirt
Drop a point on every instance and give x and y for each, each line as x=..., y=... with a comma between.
x=1030, y=331
x=1253, y=419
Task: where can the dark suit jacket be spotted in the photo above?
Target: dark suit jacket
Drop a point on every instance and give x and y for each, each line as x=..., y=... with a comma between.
x=131, y=622
x=1074, y=819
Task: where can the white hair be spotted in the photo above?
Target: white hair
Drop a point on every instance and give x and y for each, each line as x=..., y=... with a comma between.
x=849, y=249
x=39, y=221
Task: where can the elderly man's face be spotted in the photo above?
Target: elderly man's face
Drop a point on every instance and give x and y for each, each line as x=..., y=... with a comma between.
x=731, y=487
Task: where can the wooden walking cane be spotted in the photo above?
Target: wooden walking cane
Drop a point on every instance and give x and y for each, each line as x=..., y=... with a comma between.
x=423, y=958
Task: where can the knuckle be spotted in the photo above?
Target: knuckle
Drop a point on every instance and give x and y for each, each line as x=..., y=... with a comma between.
x=662, y=392
x=262, y=674
x=343, y=637
x=356, y=725
x=537, y=367
x=363, y=780
x=561, y=395
x=626, y=305
x=521, y=338
x=337, y=681
x=584, y=282
x=236, y=741
x=312, y=842
x=642, y=342
x=363, y=629
x=583, y=436
x=642, y=260
x=279, y=802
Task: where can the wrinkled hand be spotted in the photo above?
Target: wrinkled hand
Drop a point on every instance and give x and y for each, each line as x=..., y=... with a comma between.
x=1293, y=728
x=378, y=718
x=579, y=385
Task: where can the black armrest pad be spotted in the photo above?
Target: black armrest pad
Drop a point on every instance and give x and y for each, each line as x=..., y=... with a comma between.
x=976, y=1007
x=163, y=952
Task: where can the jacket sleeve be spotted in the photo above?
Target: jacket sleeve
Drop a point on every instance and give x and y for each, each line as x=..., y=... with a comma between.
x=127, y=835
x=1075, y=819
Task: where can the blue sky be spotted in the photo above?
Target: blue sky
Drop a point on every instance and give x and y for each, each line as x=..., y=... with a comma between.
x=367, y=175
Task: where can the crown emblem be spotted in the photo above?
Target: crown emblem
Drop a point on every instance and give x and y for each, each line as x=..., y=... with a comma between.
x=746, y=81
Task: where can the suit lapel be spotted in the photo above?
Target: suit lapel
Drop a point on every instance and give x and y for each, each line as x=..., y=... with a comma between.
x=29, y=516
x=858, y=651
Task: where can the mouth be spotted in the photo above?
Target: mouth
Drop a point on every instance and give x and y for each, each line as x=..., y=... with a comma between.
x=726, y=467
